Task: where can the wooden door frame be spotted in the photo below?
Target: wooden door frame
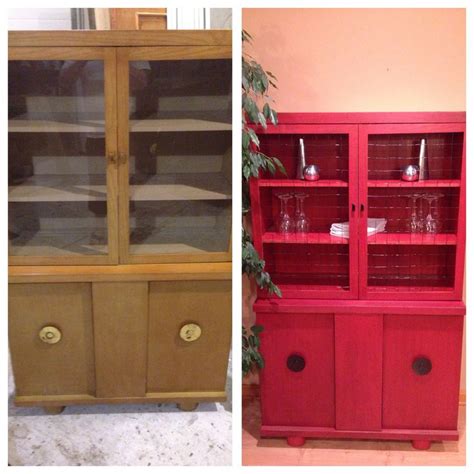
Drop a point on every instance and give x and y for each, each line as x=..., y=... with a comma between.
x=408, y=128
x=124, y=55
x=351, y=130
x=108, y=56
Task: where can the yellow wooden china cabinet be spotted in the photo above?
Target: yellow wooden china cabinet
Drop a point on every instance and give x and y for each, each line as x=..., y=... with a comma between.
x=119, y=216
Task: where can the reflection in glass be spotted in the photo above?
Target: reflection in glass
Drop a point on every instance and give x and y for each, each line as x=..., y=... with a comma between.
x=180, y=156
x=56, y=166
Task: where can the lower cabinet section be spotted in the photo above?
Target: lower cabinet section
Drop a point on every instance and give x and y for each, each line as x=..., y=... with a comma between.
x=120, y=341
x=44, y=367
x=189, y=336
x=297, y=383
x=361, y=374
x=422, y=360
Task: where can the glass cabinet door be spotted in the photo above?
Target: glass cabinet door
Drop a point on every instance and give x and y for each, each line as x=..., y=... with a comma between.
x=421, y=244
x=304, y=230
x=176, y=154
x=59, y=207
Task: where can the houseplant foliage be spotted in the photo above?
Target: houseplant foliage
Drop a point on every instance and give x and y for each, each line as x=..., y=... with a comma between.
x=256, y=110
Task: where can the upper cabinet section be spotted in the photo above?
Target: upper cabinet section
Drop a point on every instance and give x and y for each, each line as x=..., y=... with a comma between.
x=59, y=122
x=119, y=152
x=384, y=220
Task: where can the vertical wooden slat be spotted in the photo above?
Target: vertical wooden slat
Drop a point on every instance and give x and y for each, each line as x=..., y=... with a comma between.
x=353, y=201
x=123, y=149
x=461, y=229
x=363, y=191
x=110, y=92
x=120, y=336
x=358, y=352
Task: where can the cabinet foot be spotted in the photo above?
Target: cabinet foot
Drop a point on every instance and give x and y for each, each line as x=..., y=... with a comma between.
x=295, y=441
x=53, y=410
x=421, y=443
x=187, y=406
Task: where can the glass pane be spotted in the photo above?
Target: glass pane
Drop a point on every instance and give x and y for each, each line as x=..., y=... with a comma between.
x=56, y=167
x=390, y=154
x=417, y=245
x=329, y=152
x=180, y=156
x=315, y=254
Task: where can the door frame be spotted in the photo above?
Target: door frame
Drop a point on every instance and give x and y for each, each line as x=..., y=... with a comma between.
x=108, y=56
x=409, y=128
x=146, y=53
x=351, y=130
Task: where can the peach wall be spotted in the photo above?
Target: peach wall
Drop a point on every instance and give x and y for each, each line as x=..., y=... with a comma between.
x=345, y=60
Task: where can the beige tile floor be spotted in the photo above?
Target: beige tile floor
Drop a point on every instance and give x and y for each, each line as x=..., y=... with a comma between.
x=126, y=435
x=274, y=452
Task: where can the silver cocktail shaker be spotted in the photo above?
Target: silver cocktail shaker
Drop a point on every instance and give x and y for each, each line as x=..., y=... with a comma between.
x=422, y=163
x=301, y=165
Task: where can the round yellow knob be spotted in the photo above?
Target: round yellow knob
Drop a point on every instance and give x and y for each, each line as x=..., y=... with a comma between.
x=190, y=332
x=50, y=335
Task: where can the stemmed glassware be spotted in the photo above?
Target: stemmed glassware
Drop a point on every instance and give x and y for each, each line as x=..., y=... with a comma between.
x=418, y=223
x=302, y=222
x=432, y=219
x=285, y=222
x=414, y=224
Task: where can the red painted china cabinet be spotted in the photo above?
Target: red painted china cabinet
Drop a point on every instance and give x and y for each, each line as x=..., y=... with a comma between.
x=366, y=340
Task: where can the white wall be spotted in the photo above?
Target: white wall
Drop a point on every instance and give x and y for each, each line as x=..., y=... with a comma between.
x=39, y=18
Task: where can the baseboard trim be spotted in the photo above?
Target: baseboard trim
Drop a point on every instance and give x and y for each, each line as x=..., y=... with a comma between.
x=165, y=397
x=388, y=434
x=252, y=391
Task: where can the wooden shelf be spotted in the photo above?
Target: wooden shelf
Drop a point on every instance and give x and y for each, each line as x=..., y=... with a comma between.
x=98, y=126
x=299, y=183
x=51, y=126
x=76, y=188
x=306, y=238
x=429, y=183
x=182, y=240
x=180, y=187
x=177, y=125
x=411, y=239
x=59, y=188
x=56, y=243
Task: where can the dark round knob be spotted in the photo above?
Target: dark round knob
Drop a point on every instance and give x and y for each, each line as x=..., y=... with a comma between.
x=295, y=363
x=422, y=366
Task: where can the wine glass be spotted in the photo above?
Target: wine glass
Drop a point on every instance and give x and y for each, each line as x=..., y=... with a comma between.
x=285, y=222
x=421, y=221
x=432, y=219
x=301, y=221
x=414, y=224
